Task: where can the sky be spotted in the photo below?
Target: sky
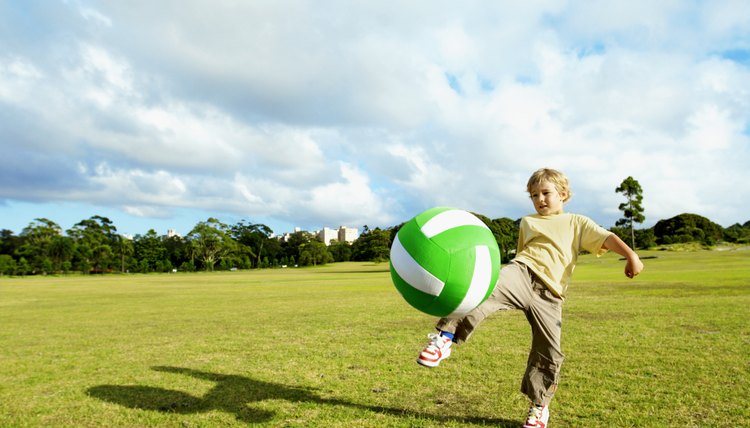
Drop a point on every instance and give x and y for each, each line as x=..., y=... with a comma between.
x=296, y=113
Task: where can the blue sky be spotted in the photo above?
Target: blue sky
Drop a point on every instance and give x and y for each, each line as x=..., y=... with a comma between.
x=319, y=114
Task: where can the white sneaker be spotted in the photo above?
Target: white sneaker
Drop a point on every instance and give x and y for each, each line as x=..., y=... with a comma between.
x=436, y=351
x=538, y=417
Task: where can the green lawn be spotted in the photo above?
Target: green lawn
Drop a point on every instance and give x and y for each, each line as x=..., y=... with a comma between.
x=335, y=346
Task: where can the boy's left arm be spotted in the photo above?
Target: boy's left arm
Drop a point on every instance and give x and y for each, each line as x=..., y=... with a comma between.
x=634, y=265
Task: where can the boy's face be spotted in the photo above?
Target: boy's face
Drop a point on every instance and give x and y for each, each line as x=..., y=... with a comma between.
x=547, y=200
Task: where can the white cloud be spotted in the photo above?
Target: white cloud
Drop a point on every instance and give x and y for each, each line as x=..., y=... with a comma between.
x=349, y=201
x=17, y=78
x=95, y=16
x=351, y=113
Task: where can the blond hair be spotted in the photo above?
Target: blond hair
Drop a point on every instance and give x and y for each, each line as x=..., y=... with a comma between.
x=553, y=176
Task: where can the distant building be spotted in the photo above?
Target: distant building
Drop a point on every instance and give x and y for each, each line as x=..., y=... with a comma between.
x=171, y=233
x=327, y=235
x=343, y=234
x=348, y=234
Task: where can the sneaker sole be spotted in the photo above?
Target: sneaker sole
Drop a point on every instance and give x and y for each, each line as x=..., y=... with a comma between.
x=432, y=364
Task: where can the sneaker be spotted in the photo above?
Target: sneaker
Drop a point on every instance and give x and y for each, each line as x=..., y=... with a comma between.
x=538, y=417
x=436, y=351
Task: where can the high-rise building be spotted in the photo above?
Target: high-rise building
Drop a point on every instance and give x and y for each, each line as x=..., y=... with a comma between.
x=327, y=235
x=348, y=234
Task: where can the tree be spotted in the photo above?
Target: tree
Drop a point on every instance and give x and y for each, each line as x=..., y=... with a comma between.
x=178, y=250
x=7, y=264
x=124, y=249
x=61, y=252
x=340, y=250
x=252, y=237
x=314, y=252
x=94, y=240
x=9, y=243
x=272, y=250
x=632, y=209
x=372, y=245
x=38, y=239
x=291, y=248
x=210, y=242
x=150, y=251
x=737, y=233
x=687, y=228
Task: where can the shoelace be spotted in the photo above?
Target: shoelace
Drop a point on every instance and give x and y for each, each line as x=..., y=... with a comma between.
x=535, y=413
x=436, y=341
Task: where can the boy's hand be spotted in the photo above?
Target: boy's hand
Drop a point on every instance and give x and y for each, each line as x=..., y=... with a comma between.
x=633, y=267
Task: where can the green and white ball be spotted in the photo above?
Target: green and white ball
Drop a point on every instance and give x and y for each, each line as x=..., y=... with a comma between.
x=445, y=262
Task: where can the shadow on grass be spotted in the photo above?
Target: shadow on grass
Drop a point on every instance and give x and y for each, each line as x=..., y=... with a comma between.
x=233, y=394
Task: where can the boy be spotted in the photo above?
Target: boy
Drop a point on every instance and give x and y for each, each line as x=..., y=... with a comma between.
x=535, y=282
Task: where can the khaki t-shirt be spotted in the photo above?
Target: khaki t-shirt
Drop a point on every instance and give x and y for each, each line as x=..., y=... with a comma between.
x=549, y=246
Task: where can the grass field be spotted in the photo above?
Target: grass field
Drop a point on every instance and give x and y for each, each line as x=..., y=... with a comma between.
x=334, y=346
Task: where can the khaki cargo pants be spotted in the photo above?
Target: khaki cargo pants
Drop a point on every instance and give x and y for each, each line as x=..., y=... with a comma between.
x=519, y=288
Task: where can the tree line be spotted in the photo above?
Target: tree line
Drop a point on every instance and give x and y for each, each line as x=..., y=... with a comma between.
x=682, y=228
x=94, y=246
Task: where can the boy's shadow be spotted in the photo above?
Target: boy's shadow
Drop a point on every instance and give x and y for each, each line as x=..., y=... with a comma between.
x=233, y=393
